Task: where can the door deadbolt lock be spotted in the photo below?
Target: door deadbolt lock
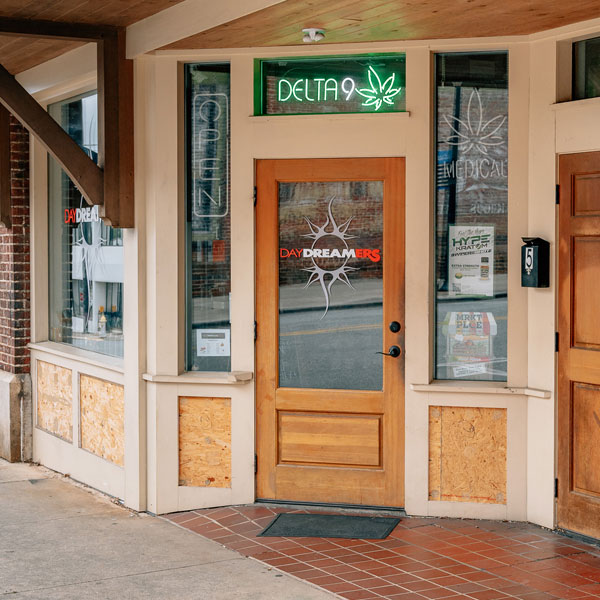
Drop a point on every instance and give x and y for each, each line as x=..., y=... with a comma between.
x=395, y=327
x=394, y=352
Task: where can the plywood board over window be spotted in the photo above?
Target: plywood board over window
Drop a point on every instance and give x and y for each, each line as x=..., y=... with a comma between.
x=55, y=400
x=102, y=418
x=467, y=454
x=205, y=442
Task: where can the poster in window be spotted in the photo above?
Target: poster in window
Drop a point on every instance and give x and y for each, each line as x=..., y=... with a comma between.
x=471, y=260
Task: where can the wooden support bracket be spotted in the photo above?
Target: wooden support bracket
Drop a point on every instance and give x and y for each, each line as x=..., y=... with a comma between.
x=110, y=183
x=79, y=166
x=4, y=167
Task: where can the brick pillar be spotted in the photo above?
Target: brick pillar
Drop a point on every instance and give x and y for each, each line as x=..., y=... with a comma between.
x=15, y=383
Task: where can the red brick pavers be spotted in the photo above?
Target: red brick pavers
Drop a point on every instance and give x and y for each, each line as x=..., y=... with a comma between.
x=421, y=558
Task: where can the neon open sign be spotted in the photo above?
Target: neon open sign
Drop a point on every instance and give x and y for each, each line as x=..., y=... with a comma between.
x=210, y=165
x=370, y=83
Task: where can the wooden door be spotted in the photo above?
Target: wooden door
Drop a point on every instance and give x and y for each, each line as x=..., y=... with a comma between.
x=330, y=282
x=579, y=344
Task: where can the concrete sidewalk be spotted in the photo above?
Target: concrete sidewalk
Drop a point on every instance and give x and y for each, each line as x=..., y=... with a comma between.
x=59, y=540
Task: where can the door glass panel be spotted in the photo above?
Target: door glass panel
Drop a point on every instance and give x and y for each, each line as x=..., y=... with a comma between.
x=331, y=285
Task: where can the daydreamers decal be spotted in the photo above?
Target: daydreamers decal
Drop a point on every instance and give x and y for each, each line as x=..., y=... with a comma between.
x=373, y=254
x=319, y=271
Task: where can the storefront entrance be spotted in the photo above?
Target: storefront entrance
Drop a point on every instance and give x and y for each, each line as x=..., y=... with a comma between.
x=579, y=344
x=330, y=330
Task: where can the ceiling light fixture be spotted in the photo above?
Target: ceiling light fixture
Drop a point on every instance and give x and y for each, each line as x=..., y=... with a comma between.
x=312, y=34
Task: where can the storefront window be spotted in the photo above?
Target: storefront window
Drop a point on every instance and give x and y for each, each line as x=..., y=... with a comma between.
x=85, y=255
x=471, y=216
x=208, y=222
x=586, y=69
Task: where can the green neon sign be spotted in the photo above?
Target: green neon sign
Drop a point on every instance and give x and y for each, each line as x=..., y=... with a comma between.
x=348, y=84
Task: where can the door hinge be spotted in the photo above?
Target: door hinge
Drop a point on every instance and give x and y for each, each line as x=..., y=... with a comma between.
x=255, y=464
x=556, y=341
x=557, y=194
x=255, y=195
x=255, y=333
x=556, y=487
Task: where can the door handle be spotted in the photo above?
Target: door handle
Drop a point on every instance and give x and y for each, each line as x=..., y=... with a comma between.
x=394, y=352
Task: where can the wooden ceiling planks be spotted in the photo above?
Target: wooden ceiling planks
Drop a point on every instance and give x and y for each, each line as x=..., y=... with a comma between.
x=345, y=21
x=119, y=13
x=348, y=21
x=18, y=54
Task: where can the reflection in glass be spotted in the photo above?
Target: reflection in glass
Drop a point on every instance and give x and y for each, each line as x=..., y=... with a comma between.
x=331, y=285
x=471, y=216
x=586, y=69
x=85, y=255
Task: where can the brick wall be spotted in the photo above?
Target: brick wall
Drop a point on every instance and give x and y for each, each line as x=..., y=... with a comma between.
x=14, y=261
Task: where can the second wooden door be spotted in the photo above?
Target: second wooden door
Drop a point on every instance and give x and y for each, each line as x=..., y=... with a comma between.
x=579, y=344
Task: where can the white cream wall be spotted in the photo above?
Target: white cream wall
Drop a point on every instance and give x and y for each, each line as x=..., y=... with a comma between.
x=58, y=79
x=159, y=164
x=153, y=360
x=554, y=128
x=322, y=136
x=541, y=303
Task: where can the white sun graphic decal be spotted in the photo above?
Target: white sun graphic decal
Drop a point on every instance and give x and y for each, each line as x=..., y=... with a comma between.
x=327, y=277
x=475, y=132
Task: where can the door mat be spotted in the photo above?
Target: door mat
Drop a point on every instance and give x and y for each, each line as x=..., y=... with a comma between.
x=330, y=526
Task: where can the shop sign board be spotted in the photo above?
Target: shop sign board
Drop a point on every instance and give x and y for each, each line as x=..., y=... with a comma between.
x=471, y=260
x=330, y=84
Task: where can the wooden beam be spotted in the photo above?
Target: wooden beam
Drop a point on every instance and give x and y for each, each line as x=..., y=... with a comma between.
x=110, y=184
x=4, y=167
x=82, y=32
x=115, y=128
x=79, y=166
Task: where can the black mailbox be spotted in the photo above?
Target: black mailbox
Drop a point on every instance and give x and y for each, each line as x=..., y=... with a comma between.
x=535, y=263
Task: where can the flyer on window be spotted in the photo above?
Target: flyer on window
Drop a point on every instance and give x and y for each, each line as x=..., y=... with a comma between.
x=470, y=260
x=213, y=342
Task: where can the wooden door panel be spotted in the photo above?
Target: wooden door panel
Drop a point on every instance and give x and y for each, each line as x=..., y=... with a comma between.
x=586, y=278
x=585, y=415
x=578, y=507
x=330, y=439
x=338, y=401
x=329, y=445
x=310, y=484
x=583, y=368
x=586, y=195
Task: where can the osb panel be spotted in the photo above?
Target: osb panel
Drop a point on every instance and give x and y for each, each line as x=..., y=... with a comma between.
x=467, y=454
x=55, y=400
x=205, y=442
x=102, y=409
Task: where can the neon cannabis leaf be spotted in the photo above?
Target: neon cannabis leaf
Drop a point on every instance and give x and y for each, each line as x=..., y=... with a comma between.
x=379, y=93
